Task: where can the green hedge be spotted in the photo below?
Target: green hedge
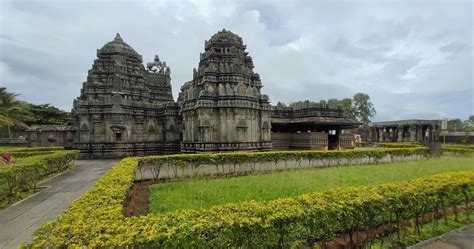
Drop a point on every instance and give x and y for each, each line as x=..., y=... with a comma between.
x=401, y=145
x=23, y=174
x=22, y=152
x=457, y=149
x=96, y=219
x=235, y=159
x=230, y=163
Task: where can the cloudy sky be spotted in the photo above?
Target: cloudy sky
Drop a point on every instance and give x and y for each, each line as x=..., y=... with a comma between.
x=414, y=58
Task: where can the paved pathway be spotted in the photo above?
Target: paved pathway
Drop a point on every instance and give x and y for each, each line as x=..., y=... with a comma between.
x=19, y=221
x=459, y=239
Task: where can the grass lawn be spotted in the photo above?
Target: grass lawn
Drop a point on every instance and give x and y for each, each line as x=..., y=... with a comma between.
x=407, y=235
x=203, y=193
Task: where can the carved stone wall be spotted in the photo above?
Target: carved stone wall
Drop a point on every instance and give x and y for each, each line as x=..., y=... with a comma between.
x=50, y=135
x=222, y=107
x=125, y=109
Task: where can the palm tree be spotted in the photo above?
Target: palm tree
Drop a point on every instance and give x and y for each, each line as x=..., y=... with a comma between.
x=11, y=110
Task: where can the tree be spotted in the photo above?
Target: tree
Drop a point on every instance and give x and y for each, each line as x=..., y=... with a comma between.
x=348, y=108
x=364, y=109
x=48, y=114
x=281, y=105
x=358, y=108
x=455, y=125
x=12, y=111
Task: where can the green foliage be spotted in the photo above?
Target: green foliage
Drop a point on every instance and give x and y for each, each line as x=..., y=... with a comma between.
x=363, y=108
x=411, y=235
x=238, y=158
x=207, y=192
x=401, y=145
x=457, y=149
x=358, y=108
x=96, y=220
x=20, y=152
x=47, y=114
x=11, y=110
x=459, y=125
x=361, y=144
x=347, y=106
x=281, y=105
x=23, y=174
x=15, y=113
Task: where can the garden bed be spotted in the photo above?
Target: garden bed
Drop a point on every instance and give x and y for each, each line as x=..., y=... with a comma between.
x=19, y=178
x=97, y=218
x=204, y=193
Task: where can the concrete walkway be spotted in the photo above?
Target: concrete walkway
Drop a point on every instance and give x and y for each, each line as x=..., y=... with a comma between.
x=19, y=221
x=459, y=239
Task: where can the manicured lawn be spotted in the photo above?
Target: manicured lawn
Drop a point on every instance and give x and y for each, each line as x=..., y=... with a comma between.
x=407, y=235
x=195, y=194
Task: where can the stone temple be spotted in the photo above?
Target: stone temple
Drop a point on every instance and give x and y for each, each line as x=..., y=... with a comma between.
x=222, y=107
x=126, y=108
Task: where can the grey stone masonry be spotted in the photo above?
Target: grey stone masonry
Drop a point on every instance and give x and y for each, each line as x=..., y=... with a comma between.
x=222, y=106
x=125, y=109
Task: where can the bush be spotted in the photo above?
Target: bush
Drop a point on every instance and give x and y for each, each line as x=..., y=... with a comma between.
x=23, y=174
x=457, y=149
x=401, y=145
x=96, y=219
x=361, y=144
x=22, y=152
x=194, y=161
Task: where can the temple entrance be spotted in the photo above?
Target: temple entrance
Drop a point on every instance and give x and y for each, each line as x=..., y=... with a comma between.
x=333, y=140
x=118, y=137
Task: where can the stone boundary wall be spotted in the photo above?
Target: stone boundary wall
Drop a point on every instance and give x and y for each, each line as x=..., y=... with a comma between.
x=457, y=137
x=173, y=172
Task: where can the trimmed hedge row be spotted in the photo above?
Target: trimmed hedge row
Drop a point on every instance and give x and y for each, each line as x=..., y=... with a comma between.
x=231, y=163
x=195, y=160
x=458, y=149
x=24, y=173
x=22, y=152
x=464, y=146
x=401, y=145
x=96, y=219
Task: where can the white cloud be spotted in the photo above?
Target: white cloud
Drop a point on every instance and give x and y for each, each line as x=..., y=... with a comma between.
x=302, y=43
x=403, y=54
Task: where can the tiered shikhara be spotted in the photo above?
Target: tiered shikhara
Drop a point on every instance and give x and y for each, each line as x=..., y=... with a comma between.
x=126, y=108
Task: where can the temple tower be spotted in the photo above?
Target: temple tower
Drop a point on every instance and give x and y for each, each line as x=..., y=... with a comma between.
x=122, y=109
x=222, y=107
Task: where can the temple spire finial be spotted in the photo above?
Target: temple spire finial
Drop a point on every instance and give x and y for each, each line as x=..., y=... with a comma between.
x=118, y=37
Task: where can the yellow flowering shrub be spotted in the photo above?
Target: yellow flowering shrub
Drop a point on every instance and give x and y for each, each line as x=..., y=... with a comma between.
x=96, y=219
x=23, y=173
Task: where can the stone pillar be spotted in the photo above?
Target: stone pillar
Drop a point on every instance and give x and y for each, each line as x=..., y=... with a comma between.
x=412, y=131
x=400, y=134
x=381, y=134
x=419, y=134
x=428, y=134
x=370, y=134
x=436, y=133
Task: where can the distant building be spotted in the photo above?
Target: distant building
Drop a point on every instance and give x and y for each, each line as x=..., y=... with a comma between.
x=127, y=109
x=412, y=130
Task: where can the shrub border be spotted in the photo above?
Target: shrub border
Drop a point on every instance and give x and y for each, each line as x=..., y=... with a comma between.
x=96, y=218
x=24, y=173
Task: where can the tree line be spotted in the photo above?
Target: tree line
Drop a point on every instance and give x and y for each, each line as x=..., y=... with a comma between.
x=358, y=108
x=18, y=114
x=459, y=125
